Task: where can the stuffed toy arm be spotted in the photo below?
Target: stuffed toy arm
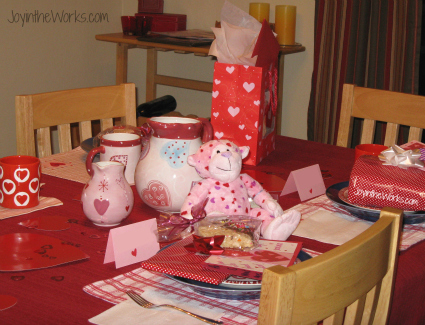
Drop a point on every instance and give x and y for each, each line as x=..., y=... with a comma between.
x=261, y=197
x=197, y=194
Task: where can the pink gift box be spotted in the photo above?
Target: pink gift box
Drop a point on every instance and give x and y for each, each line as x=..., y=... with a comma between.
x=373, y=184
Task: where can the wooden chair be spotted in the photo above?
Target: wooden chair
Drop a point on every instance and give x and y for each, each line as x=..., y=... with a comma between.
x=380, y=105
x=341, y=286
x=42, y=111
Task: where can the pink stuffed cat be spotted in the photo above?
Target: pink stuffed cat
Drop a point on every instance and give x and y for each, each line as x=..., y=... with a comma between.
x=219, y=162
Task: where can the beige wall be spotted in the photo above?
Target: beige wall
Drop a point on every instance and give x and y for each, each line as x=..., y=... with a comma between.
x=38, y=57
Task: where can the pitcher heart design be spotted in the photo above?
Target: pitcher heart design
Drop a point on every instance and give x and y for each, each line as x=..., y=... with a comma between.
x=101, y=206
x=157, y=194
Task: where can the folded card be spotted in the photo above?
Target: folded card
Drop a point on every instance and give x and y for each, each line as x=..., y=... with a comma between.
x=131, y=244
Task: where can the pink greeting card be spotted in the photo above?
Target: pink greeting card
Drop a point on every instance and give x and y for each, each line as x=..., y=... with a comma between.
x=307, y=181
x=132, y=244
x=251, y=263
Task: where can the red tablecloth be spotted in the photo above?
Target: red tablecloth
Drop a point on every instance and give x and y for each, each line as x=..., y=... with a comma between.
x=55, y=295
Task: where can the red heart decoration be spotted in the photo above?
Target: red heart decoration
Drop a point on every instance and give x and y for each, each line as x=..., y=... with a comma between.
x=34, y=184
x=311, y=190
x=134, y=252
x=22, y=174
x=101, y=206
x=18, y=252
x=127, y=207
x=7, y=302
x=8, y=186
x=56, y=164
x=57, y=278
x=17, y=277
x=156, y=195
x=21, y=198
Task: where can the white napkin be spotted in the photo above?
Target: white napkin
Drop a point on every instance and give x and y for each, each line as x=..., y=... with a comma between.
x=328, y=227
x=129, y=313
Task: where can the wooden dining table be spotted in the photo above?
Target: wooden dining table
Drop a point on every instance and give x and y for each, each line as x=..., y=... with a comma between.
x=55, y=295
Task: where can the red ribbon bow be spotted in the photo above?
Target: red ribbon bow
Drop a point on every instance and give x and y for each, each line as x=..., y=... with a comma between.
x=206, y=245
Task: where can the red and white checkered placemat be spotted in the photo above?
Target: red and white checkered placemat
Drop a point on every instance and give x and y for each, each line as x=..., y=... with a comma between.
x=412, y=234
x=69, y=165
x=113, y=290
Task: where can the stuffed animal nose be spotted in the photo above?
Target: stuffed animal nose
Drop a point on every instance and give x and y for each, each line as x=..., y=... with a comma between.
x=226, y=154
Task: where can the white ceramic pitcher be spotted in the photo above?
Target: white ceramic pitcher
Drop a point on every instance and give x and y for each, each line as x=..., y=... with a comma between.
x=163, y=178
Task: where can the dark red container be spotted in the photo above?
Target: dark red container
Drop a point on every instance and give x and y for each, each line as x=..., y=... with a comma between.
x=166, y=22
x=153, y=6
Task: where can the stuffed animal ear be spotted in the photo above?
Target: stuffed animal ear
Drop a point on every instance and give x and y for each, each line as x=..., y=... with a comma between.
x=244, y=151
x=191, y=160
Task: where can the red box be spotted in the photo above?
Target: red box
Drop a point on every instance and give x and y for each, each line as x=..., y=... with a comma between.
x=376, y=185
x=166, y=22
x=156, y=6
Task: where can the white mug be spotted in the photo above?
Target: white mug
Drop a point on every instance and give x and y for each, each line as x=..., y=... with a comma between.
x=122, y=147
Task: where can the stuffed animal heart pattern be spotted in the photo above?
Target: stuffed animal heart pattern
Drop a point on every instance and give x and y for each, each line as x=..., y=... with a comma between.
x=219, y=162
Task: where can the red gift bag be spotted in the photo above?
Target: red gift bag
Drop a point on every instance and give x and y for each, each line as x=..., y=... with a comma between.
x=244, y=100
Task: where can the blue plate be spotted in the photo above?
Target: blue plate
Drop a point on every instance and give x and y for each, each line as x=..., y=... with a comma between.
x=215, y=291
x=364, y=213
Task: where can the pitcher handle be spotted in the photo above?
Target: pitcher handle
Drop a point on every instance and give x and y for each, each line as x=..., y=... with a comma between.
x=90, y=157
x=146, y=130
x=207, y=133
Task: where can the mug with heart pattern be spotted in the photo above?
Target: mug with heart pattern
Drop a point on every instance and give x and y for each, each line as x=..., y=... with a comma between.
x=19, y=182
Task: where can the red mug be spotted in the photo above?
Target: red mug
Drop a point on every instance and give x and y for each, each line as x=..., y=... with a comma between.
x=369, y=149
x=19, y=182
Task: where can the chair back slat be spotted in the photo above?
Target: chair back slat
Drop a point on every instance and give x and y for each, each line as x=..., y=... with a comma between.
x=393, y=108
x=368, y=131
x=107, y=123
x=326, y=285
x=64, y=136
x=391, y=134
x=44, y=145
x=85, y=130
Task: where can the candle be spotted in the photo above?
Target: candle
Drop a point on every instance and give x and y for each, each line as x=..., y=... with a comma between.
x=285, y=24
x=259, y=11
